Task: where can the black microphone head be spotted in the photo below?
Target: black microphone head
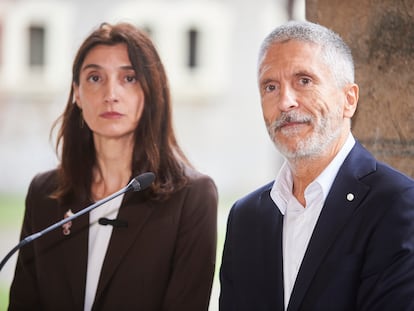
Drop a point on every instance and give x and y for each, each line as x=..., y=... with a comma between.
x=116, y=223
x=142, y=181
x=103, y=221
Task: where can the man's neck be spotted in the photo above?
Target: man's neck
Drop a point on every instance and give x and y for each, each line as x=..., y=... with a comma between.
x=306, y=169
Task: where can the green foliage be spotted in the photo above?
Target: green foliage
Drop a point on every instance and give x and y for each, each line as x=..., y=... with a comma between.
x=11, y=216
x=4, y=297
x=11, y=211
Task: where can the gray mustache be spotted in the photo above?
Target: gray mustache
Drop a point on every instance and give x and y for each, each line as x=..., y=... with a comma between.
x=289, y=117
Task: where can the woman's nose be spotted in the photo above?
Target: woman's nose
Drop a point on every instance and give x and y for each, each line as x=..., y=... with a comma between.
x=111, y=92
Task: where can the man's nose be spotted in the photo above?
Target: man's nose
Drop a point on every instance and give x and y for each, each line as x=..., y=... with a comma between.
x=287, y=99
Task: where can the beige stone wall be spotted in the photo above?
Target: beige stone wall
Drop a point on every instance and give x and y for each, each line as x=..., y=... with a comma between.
x=381, y=36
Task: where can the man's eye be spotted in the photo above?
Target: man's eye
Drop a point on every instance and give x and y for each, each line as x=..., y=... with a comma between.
x=305, y=81
x=270, y=88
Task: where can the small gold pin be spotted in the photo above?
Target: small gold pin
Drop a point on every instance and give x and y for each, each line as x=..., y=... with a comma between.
x=66, y=227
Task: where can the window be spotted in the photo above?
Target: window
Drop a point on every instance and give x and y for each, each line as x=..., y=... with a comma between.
x=192, y=38
x=1, y=43
x=192, y=48
x=147, y=29
x=36, y=46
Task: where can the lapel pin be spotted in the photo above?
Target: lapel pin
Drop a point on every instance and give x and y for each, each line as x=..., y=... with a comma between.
x=350, y=197
x=66, y=227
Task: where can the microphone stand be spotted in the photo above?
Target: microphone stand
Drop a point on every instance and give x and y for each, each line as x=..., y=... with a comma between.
x=134, y=184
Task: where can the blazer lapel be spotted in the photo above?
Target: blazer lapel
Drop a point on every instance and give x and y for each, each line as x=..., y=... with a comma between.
x=345, y=196
x=136, y=211
x=271, y=240
x=75, y=253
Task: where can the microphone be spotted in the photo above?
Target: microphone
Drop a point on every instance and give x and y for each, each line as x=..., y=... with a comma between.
x=116, y=223
x=138, y=183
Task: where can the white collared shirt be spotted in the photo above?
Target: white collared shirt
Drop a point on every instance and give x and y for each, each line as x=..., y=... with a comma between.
x=99, y=236
x=299, y=222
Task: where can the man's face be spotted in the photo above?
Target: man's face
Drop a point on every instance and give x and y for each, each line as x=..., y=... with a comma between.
x=305, y=110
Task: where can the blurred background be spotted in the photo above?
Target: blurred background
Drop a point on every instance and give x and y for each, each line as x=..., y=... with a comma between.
x=209, y=49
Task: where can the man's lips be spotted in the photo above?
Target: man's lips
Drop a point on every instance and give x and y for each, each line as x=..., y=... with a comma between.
x=291, y=124
x=286, y=124
x=290, y=121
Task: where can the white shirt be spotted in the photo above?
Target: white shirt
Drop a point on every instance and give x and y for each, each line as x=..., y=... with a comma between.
x=299, y=222
x=99, y=236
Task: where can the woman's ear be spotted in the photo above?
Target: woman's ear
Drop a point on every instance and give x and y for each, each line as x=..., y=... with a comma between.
x=75, y=99
x=351, y=99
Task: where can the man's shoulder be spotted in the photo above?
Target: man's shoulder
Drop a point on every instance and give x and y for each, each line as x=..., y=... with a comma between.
x=365, y=166
x=390, y=177
x=254, y=198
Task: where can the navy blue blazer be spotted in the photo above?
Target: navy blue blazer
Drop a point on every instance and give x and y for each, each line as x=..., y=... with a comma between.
x=360, y=255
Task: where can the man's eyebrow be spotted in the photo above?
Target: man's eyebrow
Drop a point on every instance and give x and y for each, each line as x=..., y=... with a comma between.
x=304, y=72
x=266, y=81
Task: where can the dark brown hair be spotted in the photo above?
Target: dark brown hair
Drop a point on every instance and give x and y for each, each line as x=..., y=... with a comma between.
x=156, y=148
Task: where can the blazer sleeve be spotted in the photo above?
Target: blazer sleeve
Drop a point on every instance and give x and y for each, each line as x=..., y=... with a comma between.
x=23, y=291
x=226, y=281
x=193, y=263
x=387, y=278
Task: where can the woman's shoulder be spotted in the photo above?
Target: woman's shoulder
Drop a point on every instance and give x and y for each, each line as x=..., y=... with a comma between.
x=199, y=193
x=196, y=177
x=46, y=180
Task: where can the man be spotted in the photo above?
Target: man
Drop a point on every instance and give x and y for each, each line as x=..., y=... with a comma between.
x=335, y=230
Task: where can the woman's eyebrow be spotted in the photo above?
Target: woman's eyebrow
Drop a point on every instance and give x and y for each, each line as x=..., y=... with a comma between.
x=95, y=66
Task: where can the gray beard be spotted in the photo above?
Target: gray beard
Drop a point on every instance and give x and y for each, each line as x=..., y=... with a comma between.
x=313, y=146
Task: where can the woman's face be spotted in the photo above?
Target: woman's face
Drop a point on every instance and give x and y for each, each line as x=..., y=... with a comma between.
x=109, y=94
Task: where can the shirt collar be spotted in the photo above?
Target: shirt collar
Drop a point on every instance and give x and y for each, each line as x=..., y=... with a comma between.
x=282, y=187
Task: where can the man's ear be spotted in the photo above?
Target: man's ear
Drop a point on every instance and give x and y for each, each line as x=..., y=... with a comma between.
x=351, y=99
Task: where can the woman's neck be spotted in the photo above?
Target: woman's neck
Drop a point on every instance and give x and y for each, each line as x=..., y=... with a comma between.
x=113, y=167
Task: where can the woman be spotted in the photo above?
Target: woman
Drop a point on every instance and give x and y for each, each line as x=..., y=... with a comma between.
x=160, y=252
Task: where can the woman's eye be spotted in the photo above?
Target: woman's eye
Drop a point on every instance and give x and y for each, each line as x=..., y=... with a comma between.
x=93, y=78
x=130, y=78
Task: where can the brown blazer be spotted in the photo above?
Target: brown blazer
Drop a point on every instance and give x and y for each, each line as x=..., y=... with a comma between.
x=163, y=260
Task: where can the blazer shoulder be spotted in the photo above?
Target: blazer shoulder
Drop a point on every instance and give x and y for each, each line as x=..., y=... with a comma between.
x=197, y=179
x=365, y=167
x=386, y=169
x=44, y=182
x=383, y=181
x=254, y=198
x=388, y=179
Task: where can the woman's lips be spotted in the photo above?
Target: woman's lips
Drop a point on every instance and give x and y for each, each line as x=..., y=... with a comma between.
x=111, y=115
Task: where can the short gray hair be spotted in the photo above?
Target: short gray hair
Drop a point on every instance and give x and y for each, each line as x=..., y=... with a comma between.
x=336, y=53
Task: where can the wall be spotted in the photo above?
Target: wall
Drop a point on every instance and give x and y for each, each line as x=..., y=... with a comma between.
x=381, y=36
